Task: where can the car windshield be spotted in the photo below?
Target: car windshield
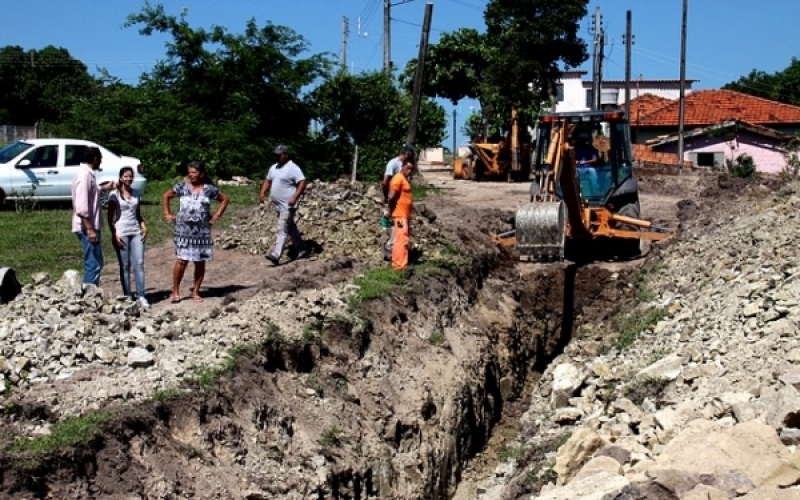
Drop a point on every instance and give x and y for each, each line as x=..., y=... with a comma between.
x=11, y=151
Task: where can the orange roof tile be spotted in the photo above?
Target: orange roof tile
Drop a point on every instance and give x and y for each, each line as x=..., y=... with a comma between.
x=707, y=107
x=645, y=154
x=646, y=104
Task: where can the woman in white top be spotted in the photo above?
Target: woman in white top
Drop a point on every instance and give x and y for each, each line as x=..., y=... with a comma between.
x=128, y=232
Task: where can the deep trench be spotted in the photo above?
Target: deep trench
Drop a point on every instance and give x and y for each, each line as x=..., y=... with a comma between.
x=548, y=303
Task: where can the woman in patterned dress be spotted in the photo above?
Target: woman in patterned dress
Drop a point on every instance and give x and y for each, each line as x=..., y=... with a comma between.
x=193, y=225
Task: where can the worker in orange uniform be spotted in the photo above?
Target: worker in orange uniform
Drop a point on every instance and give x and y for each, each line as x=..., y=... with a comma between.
x=400, y=209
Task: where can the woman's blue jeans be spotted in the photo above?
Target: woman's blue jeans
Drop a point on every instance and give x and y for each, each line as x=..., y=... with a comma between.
x=131, y=258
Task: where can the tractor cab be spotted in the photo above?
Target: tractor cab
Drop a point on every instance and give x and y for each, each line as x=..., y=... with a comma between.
x=600, y=141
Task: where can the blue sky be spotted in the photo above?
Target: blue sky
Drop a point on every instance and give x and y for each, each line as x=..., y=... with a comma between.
x=726, y=39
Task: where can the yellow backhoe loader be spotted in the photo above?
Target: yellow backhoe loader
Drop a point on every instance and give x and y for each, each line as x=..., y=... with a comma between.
x=582, y=203
x=507, y=159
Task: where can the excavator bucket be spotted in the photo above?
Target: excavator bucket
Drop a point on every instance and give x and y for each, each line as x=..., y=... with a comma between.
x=540, y=231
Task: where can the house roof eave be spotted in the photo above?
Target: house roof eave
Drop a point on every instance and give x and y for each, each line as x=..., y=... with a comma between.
x=701, y=131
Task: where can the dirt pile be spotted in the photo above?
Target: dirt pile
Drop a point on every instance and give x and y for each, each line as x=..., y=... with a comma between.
x=338, y=220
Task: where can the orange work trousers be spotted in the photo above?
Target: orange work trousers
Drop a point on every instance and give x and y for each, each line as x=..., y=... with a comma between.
x=400, y=243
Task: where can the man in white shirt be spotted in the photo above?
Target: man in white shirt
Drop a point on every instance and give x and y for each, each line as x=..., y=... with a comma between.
x=285, y=182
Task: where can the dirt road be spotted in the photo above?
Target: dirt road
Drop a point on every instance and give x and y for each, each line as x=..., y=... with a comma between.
x=236, y=275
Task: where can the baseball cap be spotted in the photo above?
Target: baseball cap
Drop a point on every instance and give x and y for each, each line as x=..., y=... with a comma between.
x=281, y=149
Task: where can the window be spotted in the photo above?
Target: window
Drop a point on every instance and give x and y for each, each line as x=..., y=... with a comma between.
x=708, y=159
x=73, y=154
x=43, y=157
x=559, y=92
x=589, y=98
x=11, y=151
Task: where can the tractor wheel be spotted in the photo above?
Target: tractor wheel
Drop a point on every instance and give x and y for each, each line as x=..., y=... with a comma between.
x=466, y=168
x=629, y=249
x=476, y=171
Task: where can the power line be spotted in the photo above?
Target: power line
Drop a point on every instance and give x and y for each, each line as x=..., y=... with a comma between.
x=401, y=21
x=468, y=5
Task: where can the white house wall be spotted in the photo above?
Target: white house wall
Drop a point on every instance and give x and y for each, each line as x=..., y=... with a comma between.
x=766, y=153
x=575, y=88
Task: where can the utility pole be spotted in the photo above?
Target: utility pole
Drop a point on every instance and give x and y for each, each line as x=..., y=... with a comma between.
x=343, y=51
x=628, y=43
x=411, y=138
x=681, y=109
x=455, y=150
x=597, y=76
x=387, y=34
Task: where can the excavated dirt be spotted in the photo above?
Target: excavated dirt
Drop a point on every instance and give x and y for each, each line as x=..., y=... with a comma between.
x=407, y=400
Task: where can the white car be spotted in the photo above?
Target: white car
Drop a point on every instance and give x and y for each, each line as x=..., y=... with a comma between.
x=43, y=168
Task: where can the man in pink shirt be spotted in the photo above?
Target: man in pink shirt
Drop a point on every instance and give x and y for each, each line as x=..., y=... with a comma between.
x=87, y=211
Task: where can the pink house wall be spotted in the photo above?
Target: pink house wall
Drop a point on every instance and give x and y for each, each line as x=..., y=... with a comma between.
x=766, y=152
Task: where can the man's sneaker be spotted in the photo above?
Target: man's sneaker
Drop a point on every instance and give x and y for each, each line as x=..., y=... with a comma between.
x=273, y=259
x=143, y=302
x=302, y=254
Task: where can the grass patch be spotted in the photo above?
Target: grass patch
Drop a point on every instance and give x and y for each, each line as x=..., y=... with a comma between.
x=165, y=395
x=421, y=191
x=331, y=437
x=22, y=233
x=645, y=294
x=376, y=283
x=206, y=376
x=635, y=323
x=436, y=338
x=73, y=431
x=507, y=453
x=432, y=267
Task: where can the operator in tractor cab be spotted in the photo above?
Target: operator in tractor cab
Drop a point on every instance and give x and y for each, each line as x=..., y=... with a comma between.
x=586, y=157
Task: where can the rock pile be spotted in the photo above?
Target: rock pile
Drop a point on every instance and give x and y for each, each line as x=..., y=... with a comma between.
x=704, y=404
x=339, y=219
x=54, y=335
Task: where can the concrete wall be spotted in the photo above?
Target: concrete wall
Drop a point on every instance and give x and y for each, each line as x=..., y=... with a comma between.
x=432, y=155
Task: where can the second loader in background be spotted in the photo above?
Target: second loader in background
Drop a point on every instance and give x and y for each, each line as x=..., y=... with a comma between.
x=505, y=159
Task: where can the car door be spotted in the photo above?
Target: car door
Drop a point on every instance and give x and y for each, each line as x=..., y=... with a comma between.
x=36, y=174
x=73, y=153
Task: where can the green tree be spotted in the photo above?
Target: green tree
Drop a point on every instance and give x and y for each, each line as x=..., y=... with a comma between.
x=243, y=92
x=454, y=67
x=529, y=42
x=517, y=61
x=781, y=86
x=40, y=85
x=370, y=111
